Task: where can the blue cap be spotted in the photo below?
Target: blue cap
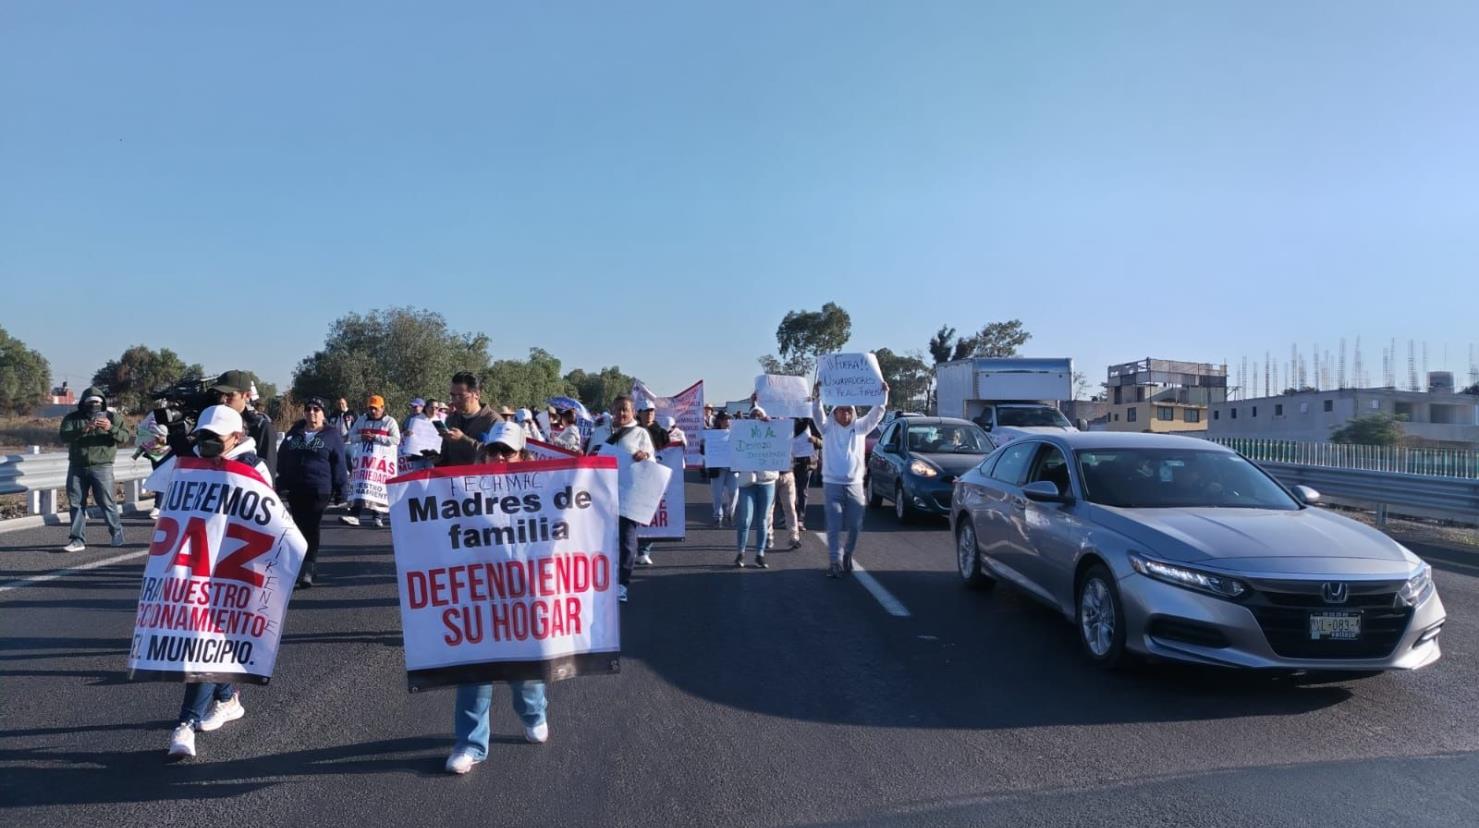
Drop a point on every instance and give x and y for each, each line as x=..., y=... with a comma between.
x=419, y=401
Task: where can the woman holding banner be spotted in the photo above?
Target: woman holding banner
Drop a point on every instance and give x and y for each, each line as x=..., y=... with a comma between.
x=310, y=476
x=506, y=444
x=721, y=480
x=373, y=433
x=756, y=494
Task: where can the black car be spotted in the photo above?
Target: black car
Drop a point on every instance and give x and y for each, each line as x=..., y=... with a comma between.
x=917, y=460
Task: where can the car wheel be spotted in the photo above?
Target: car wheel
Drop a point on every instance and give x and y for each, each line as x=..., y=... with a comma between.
x=874, y=501
x=902, y=510
x=968, y=557
x=1101, y=618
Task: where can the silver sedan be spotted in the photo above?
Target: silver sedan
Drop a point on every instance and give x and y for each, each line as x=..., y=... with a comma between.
x=1178, y=548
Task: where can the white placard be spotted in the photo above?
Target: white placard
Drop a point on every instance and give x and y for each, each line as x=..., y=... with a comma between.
x=850, y=379
x=373, y=465
x=716, y=448
x=783, y=396
x=507, y=572
x=643, y=489
x=220, y=571
x=671, y=519
x=758, y=445
x=801, y=447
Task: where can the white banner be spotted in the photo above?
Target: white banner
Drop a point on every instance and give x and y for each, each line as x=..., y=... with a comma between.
x=686, y=407
x=758, y=445
x=541, y=450
x=783, y=396
x=374, y=464
x=716, y=448
x=850, y=379
x=221, y=567
x=642, y=487
x=508, y=572
x=671, y=519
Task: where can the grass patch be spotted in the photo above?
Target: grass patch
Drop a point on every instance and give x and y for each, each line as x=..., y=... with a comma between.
x=18, y=434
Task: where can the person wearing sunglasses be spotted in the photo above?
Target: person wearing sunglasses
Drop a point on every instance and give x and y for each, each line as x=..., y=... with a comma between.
x=504, y=443
x=310, y=475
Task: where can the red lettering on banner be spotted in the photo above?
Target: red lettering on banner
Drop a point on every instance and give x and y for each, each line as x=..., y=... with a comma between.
x=254, y=544
x=198, y=556
x=416, y=589
x=166, y=532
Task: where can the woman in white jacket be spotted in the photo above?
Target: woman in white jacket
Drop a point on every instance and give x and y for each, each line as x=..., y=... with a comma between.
x=756, y=494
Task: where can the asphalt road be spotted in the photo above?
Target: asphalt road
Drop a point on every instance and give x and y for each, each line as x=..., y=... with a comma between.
x=749, y=697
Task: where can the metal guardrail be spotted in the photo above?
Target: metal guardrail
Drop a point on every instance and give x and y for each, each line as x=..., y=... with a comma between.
x=1415, y=495
x=1455, y=463
x=40, y=476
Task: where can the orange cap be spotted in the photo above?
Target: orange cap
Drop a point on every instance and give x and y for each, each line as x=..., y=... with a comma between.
x=377, y=401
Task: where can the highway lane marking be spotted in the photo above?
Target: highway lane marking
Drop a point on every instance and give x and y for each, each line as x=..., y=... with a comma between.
x=62, y=573
x=891, y=605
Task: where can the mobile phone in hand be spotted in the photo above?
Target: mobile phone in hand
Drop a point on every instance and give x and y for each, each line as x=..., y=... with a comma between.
x=440, y=426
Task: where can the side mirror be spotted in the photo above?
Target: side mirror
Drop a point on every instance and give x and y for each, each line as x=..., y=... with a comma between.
x=1043, y=491
x=1307, y=495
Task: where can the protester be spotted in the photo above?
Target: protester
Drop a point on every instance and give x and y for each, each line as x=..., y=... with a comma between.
x=152, y=440
x=92, y=435
x=235, y=389
x=647, y=419
x=676, y=437
x=723, y=483
x=310, y=477
x=421, y=442
x=374, y=428
x=756, y=491
x=343, y=419
x=844, y=450
x=470, y=724
x=469, y=419
x=220, y=432
x=507, y=414
x=803, y=463
x=629, y=439
x=708, y=415
x=417, y=407
x=524, y=418
x=568, y=435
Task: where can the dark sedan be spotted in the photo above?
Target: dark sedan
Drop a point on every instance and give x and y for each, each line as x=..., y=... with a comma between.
x=917, y=460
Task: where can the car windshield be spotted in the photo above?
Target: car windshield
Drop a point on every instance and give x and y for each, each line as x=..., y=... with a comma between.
x=1170, y=478
x=1029, y=417
x=948, y=438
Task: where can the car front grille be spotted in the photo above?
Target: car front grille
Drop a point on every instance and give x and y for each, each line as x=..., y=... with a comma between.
x=1283, y=611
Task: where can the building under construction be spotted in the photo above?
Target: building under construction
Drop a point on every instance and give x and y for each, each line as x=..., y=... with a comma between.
x=1161, y=395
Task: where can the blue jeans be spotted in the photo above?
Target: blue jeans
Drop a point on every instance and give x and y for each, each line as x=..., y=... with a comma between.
x=723, y=490
x=99, y=481
x=198, y=698
x=844, y=504
x=470, y=724
x=753, y=510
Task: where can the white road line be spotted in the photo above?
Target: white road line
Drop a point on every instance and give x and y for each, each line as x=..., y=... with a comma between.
x=891, y=605
x=62, y=573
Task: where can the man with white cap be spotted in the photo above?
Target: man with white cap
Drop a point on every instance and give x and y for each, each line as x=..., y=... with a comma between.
x=92, y=434
x=844, y=449
x=207, y=706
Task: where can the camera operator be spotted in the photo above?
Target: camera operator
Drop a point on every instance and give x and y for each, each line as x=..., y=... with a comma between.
x=92, y=434
x=232, y=390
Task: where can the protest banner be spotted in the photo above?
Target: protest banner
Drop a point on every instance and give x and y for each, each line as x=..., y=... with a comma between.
x=642, y=487
x=221, y=566
x=716, y=448
x=541, y=450
x=686, y=407
x=374, y=464
x=508, y=572
x=671, y=519
x=759, y=445
x=783, y=396
x=850, y=379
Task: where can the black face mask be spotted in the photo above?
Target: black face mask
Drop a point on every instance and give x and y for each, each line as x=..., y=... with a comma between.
x=210, y=447
x=92, y=409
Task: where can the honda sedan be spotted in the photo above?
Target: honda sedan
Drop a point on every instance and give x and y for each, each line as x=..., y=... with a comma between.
x=1177, y=548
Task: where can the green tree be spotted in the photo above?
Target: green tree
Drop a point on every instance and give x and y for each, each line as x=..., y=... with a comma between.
x=25, y=376
x=1473, y=389
x=908, y=377
x=597, y=390
x=526, y=382
x=1371, y=430
x=1000, y=339
x=941, y=346
x=133, y=378
x=398, y=353
x=802, y=335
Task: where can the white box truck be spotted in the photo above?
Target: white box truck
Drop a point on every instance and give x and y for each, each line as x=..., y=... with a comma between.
x=1010, y=397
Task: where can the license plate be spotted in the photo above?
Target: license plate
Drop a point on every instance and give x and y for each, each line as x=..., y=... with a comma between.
x=1335, y=626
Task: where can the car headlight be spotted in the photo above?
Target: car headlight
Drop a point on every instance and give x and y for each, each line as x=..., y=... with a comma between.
x=1417, y=589
x=1219, y=585
x=922, y=469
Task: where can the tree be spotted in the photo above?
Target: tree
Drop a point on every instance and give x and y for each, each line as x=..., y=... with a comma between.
x=802, y=335
x=25, y=376
x=1473, y=389
x=133, y=378
x=526, y=383
x=908, y=377
x=1081, y=386
x=597, y=390
x=941, y=346
x=1000, y=339
x=1372, y=430
x=398, y=353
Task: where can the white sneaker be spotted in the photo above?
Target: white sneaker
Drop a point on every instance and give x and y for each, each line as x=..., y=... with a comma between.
x=461, y=761
x=379, y=522
x=621, y=594
x=154, y=513
x=538, y=734
x=74, y=546
x=350, y=520
x=644, y=559
x=182, y=741
x=221, y=712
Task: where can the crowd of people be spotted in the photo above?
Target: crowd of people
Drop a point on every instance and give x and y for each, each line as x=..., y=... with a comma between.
x=312, y=469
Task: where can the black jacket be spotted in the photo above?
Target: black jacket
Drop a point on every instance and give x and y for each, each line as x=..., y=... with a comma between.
x=259, y=427
x=313, y=463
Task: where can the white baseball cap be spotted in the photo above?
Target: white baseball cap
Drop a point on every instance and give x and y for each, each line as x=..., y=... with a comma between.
x=667, y=422
x=220, y=419
x=506, y=433
x=757, y=411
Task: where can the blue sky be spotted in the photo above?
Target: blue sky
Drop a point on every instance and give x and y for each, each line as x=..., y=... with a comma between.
x=655, y=185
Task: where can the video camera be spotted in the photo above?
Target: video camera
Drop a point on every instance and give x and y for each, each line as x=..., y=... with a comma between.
x=178, y=407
